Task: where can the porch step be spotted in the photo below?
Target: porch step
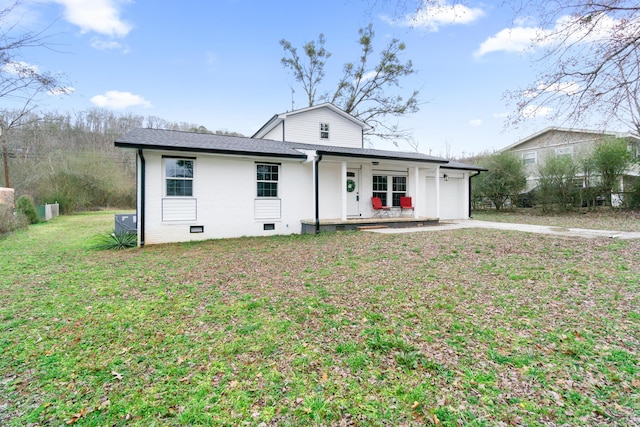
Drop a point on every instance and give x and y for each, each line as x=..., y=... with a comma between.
x=371, y=227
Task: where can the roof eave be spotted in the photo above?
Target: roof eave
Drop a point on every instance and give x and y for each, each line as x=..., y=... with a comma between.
x=208, y=150
x=272, y=123
x=379, y=157
x=462, y=168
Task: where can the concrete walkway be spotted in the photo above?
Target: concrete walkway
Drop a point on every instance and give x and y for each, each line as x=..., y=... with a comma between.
x=542, y=229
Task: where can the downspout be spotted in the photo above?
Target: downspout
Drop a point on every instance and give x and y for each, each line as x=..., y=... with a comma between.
x=283, y=135
x=142, y=196
x=317, y=196
x=471, y=176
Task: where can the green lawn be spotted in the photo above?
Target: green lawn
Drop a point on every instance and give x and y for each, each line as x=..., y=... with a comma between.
x=463, y=327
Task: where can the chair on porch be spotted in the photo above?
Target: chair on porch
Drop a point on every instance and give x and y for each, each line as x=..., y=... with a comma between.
x=406, y=204
x=378, y=209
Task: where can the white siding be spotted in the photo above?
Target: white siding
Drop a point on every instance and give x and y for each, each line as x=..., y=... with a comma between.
x=179, y=209
x=267, y=209
x=305, y=128
x=275, y=134
x=330, y=196
x=428, y=202
x=225, y=190
x=453, y=197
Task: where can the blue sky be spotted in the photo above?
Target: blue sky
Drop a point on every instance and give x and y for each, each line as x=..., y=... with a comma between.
x=217, y=63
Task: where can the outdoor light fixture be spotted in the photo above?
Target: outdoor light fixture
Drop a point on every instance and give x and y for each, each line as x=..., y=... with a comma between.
x=375, y=163
x=446, y=177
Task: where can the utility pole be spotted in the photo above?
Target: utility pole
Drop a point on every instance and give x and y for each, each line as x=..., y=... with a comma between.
x=5, y=152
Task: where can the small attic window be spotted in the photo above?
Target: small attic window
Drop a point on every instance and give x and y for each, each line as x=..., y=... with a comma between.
x=324, y=130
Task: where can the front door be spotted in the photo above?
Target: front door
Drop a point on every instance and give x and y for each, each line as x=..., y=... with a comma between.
x=353, y=192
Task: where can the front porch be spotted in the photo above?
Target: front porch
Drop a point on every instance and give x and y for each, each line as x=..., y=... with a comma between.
x=333, y=225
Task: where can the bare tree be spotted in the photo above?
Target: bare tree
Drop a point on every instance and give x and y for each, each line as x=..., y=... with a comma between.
x=590, y=60
x=20, y=82
x=365, y=90
x=309, y=72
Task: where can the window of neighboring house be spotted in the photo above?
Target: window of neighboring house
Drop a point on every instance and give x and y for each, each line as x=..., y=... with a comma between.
x=529, y=158
x=267, y=179
x=179, y=177
x=324, y=130
x=399, y=189
x=564, y=151
x=380, y=188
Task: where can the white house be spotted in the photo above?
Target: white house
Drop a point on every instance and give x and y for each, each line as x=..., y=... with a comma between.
x=303, y=171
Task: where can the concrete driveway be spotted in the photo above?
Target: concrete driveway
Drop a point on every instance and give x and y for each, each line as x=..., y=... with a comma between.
x=542, y=229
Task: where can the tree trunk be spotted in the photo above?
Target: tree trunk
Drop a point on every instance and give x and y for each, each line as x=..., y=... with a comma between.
x=5, y=156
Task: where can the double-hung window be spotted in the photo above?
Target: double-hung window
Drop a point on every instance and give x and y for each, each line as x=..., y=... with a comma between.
x=267, y=179
x=564, y=151
x=386, y=192
x=399, y=189
x=529, y=158
x=324, y=130
x=179, y=177
x=380, y=188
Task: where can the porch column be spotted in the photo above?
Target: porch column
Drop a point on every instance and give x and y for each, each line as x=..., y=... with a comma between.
x=417, y=194
x=437, y=191
x=343, y=192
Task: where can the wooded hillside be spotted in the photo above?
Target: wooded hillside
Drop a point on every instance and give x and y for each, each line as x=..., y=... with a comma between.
x=71, y=158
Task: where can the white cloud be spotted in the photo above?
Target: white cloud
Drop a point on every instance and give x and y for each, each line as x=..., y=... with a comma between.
x=519, y=39
x=19, y=68
x=108, y=44
x=524, y=37
x=568, y=88
x=369, y=75
x=500, y=115
x=440, y=13
x=120, y=100
x=475, y=122
x=99, y=16
x=534, y=111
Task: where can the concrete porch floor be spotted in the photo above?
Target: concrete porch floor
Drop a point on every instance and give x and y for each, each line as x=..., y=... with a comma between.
x=332, y=225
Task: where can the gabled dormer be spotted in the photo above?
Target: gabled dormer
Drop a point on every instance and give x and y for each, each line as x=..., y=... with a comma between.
x=323, y=124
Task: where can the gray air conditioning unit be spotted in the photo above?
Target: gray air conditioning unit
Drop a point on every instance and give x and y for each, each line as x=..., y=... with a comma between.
x=126, y=223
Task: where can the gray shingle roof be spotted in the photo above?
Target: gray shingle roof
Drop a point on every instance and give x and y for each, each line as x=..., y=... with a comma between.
x=463, y=166
x=210, y=143
x=204, y=142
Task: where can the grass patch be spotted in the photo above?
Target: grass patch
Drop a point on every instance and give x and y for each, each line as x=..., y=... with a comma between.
x=464, y=327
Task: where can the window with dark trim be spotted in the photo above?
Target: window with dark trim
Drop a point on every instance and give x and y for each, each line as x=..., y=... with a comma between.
x=399, y=189
x=179, y=177
x=380, y=188
x=324, y=130
x=391, y=193
x=267, y=179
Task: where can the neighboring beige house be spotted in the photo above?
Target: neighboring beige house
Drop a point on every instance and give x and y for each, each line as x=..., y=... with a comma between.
x=567, y=142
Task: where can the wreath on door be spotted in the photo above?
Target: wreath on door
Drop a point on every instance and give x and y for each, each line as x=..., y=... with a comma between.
x=351, y=185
